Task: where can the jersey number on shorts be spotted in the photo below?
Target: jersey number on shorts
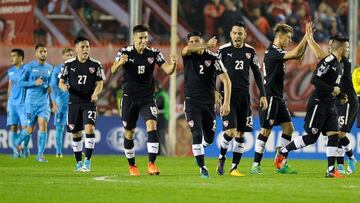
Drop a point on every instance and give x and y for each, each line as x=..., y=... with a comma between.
x=141, y=69
x=82, y=79
x=92, y=115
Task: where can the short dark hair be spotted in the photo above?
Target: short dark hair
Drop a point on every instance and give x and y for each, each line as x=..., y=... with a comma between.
x=339, y=38
x=19, y=52
x=194, y=33
x=80, y=39
x=140, y=28
x=39, y=45
x=238, y=23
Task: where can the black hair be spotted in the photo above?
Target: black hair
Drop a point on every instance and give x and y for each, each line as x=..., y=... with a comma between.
x=140, y=28
x=239, y=23
x=194, y=33
x=39, y=45
x=339, y=38
x=19, y=52
x=80, y=39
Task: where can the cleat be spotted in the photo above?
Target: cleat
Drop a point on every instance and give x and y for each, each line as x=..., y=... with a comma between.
x=152, y=169
x=255, y=170
x=78, y=166
x=351, y=166
x=204, y=173
x=60, y=156
x=220, y=167
x=86, y=166
x=334, y=174
x=41, y=159
x=286, y=169
x=134, y=171
x=26, y=152
x=19, y=149
x=279, y=161
x=235, y=172
x=341, y=169
x=16, y=155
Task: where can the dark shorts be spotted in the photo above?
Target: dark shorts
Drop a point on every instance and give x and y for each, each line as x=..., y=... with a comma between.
x=276, y=113
x=131, y=108
x=79, y=115
x=320, y=117
x=347, y=114
x=240, y=116
x=200, y=117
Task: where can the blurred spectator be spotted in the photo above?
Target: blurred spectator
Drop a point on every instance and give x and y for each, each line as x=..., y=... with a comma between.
x=212, y=12
x=280, y=7
x=229, y=16
x=39, y=34
x=163, y=104
x=261, y=22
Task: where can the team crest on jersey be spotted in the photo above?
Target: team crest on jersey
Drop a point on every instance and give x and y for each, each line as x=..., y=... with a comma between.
x=71, y=126
x=150, y=60
x=124, y=123
x=248, y=55
x=191, y=123
x=314, y=130
x=225, y=123
x=207, y=63
x=92, y=69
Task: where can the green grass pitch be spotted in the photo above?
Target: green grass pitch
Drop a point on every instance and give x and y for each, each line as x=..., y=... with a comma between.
x=24, y=180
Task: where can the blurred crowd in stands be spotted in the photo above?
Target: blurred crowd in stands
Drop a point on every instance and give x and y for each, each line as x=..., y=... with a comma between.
x=212, y=17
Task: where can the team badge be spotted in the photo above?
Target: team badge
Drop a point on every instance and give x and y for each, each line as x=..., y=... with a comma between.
x=92, y=69
x=150, y=60
x=207, y=63
x=124, y=123
x=314, y=130
x=225, y=123
x=248, y=55
x=71, y=126
x=191, y=123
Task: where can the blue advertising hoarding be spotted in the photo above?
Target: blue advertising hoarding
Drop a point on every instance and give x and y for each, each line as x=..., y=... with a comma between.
x=109, y=140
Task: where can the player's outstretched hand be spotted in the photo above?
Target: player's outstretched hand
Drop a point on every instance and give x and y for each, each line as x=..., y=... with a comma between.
x=39, y=81
x=94, y=98
x=263, y=103
x=123, y=59
x=64, y=87
x=335, y=91
x=212, y=42
x=225, y=110
x=344, y=99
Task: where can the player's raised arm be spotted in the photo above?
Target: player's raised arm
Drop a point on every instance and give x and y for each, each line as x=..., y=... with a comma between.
x=225, y=108
x=197, y=46
x=169, y=68
x=316, y=49
x=119, y=63
x=298, y=52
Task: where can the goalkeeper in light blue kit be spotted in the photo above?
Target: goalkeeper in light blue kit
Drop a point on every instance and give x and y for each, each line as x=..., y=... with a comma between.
x=60, y=101
x=16, y=98
x=37, y=104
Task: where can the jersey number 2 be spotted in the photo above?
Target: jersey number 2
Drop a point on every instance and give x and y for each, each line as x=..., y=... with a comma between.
x=201, y=69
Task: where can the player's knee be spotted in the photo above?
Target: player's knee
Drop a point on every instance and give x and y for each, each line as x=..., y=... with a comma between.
x=89, y=129
x=129, y=134
x=342, y=135
x=29, y=130
x=288, y=130
x=196, y=136
x=231, y=132
x=265, y=132
x=240, y=134
x=151, y=125
x=77, y=137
